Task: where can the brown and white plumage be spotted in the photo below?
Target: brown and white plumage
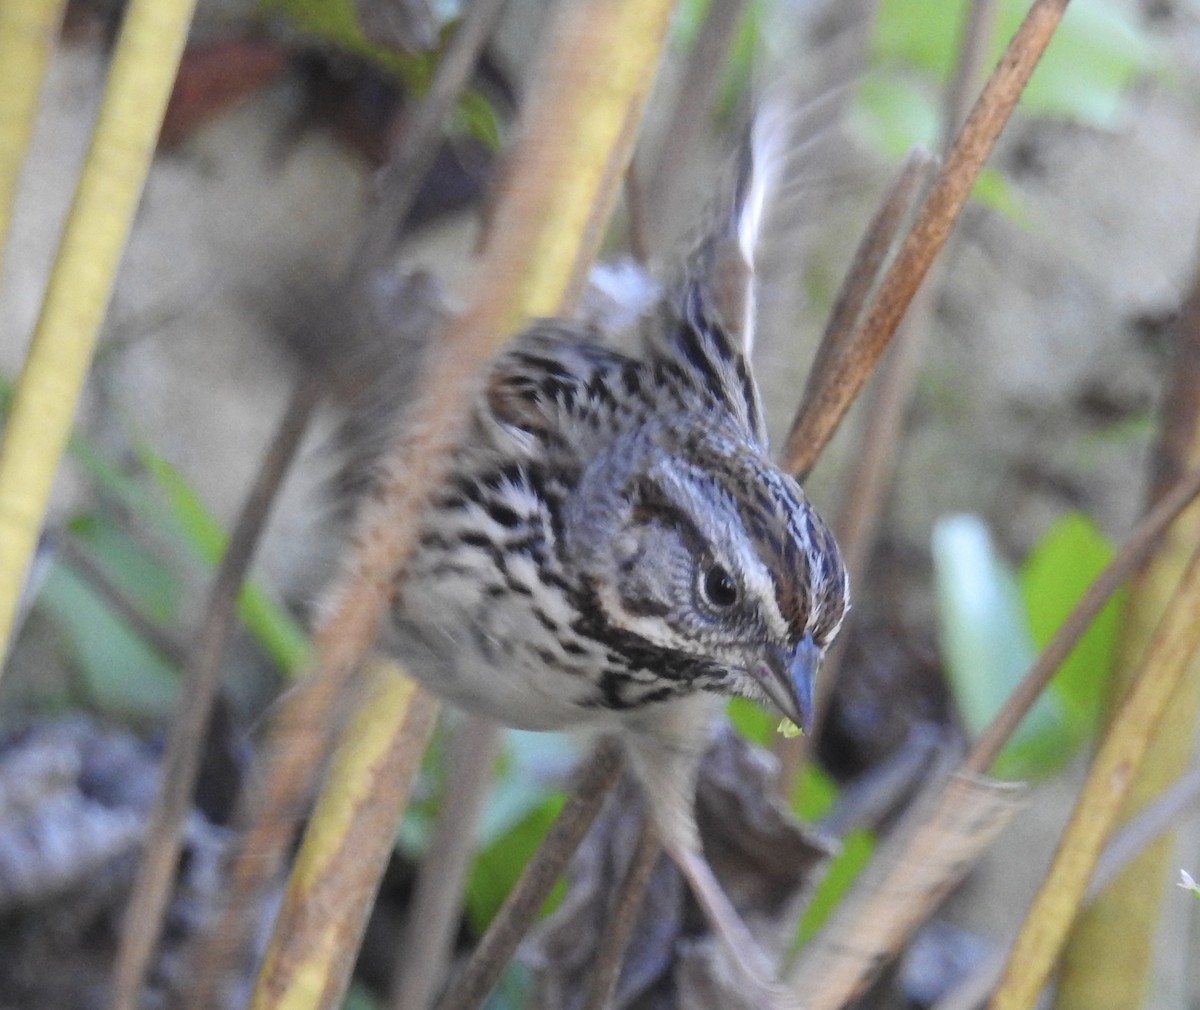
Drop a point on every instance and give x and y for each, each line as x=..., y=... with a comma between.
x=615, y=548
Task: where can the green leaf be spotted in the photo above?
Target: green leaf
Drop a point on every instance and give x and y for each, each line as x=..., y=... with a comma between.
x=857, y=848
x=752, y=721
x=476, y=116
x=183, y=519
x=530, y=769
x=142, y=575
x=1053, y=579
x=191, y=524
x=335, y=22
x=498, y=866
x=987, y=646
x=813, y=794
x=123, y=675
x=1092, y=59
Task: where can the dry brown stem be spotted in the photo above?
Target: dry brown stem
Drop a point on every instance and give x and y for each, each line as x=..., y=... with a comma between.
x=1116, y=765
x=1112, y=952
x=868, y=259
x=1126, y=845
x=593, y=782
x=437, y=897
x=417, y=147
x=606, y=968
x=939, y=839
x=557, y=196
x=820, y=416
x=863, y=501
x=142, y=924
x=857, y=509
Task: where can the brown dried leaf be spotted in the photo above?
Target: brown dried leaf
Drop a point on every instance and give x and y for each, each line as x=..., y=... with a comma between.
x=933, y=849
x=213, y=78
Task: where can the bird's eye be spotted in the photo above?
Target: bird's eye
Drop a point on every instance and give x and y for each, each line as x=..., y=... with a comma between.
x=719, y=588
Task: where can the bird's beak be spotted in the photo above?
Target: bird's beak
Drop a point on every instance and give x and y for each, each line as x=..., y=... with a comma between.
x=787, y=679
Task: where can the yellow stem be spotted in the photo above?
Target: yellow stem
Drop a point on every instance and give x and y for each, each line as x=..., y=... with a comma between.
x=27, y=32
x=1110, y=960
x=1116, y=765
x=352, y=831
x=47, y=393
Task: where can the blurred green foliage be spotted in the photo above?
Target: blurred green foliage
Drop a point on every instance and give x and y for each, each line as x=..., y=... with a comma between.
x=147, y=521
x=178, y=510
x=857, y=848
x=1054, y=577
x=993, y=621
x=334, y=23
x=120, y=673
x=1099, y=50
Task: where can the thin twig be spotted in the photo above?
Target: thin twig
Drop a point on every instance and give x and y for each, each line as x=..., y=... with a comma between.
x=635, y=212
x=863, y=503
x=1117, y=762
x=1141, y=541
x=417, y=147
x=272, y=801
x=142, y=924
x=556, y=200
x=592, y=785
x=1129, y=558
x=861, y=508
x=977, y=28
x=610, y=955
x=953, y=820
x=304, y=730
x=1127, y=914
x=815, y=425
x=437, y=898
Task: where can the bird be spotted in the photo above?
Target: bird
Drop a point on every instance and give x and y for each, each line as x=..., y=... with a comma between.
x=615, y=549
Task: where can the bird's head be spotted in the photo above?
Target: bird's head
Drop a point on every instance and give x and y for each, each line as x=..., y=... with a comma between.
x=704, y=562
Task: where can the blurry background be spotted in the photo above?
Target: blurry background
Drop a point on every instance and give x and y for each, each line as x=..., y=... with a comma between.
x=1025, y=447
